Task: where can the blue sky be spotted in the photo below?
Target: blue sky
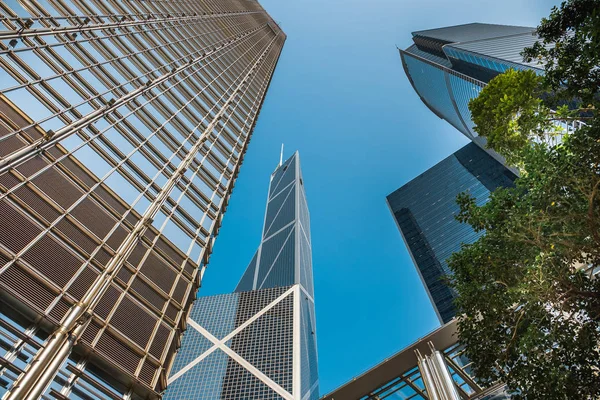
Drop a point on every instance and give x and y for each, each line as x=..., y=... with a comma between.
x=340, y=97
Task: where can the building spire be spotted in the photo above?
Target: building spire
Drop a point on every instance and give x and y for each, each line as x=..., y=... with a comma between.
x=281, y=156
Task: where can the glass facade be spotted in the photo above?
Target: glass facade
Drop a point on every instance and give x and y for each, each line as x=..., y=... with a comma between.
x=260, y=341
x=425, y=210
x=399, y=376
x=448, y=67
x=123, y=127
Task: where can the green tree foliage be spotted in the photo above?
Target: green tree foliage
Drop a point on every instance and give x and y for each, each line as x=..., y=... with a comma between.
x=529, y=307
x=509, y=112
x=571, y=64
x=529, y=317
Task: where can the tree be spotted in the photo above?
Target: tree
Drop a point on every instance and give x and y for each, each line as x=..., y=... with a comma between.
x=528, y=304
x=570, y=49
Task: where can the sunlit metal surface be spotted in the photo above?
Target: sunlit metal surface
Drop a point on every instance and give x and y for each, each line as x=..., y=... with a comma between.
x=123, y=125
x=398, y=377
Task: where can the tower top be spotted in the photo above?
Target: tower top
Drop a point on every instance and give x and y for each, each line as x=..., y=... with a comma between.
x=281, y=155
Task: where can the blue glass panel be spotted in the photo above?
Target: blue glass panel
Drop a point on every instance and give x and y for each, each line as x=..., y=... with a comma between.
x=284, y=175
x=216, y=314
x=430, y=83
x=425, y=210
x=247, y=281
x=464, y=91
x=275, y=204
x=281, y=271
x=194, y=344
x=204, y=381
x=283, y=216
x=308, y=349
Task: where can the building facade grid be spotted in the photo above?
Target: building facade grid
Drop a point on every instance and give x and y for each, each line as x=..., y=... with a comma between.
x=117, y=119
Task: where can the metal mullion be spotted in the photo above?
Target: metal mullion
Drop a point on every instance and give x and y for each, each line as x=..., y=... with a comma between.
x=65, y=65
x=174, y=284
x=7, y=35
x=215, y=221
x=90, y=380
x=47, y=231
x=96, y=115
x=212, y=90
x=135, y=40
x=175, y=42
x=35, y=7
x=64, y=240
x=19, y=77
x=463, y=375
x=22, y=339
x=8, y=21
x=68, y=210
x=230, y=140
x=150, y=152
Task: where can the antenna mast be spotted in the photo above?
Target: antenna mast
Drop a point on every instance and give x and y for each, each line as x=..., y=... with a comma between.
x=281, y=156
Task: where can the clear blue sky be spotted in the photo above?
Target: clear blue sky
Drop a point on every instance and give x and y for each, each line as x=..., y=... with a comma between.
x=340, y=97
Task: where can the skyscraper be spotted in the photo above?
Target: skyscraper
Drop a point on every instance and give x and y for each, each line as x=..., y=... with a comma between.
x=123, y=126
x=449, y=66
x=404, y=375
x=259, y=342
x=424, y=210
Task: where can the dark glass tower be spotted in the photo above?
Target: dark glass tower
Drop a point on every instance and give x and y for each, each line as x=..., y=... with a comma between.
x=449, y=66
x=424, y=210
x=258, y=342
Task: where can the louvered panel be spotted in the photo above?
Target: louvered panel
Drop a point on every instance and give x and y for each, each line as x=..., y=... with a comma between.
x=90, y=332
x=116, y=205
x=82, y=283
x=75, y=169
x=76, y=236
x=107, y=302
x=158, y=272
x=133, y=321
x=57, y=187
x=179, y=292
x=17, y=231
x=103, y=256
x=136, y=255
x=189, y=268
x=172, y=311
x=118, y=352
x=147, y=372
x=31, y=166
x=52, y=260
x=148, y=293
x=25, y=287
x=9, y=145
x=93, y=217
x=160, y=341
x=8, y=181
x=117, y=237
x=124, y=274
x=170, y=252
x=59, y=310
x=37, y=203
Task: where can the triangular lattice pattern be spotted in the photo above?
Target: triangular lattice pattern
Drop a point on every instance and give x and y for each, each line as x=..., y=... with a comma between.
x=255, y=354
x=259, y=343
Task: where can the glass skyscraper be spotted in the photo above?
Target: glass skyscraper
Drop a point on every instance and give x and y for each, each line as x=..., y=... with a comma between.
x=258, y=342
x=448, y=67
x=123, y=126
x=425, y=208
